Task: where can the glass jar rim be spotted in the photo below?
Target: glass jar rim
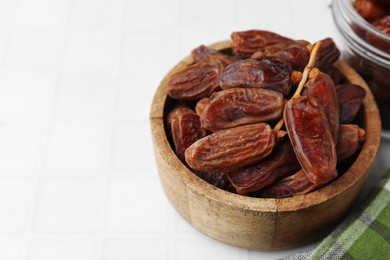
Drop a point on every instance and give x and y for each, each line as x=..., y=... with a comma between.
x=362, y=22
x=345, y=15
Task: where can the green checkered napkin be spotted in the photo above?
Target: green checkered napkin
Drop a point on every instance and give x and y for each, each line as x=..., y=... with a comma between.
x=363, y=235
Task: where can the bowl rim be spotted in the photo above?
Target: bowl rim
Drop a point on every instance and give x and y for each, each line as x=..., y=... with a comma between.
x=372, y=125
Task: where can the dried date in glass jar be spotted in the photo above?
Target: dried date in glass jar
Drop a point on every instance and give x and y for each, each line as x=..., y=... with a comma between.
x=367, y=51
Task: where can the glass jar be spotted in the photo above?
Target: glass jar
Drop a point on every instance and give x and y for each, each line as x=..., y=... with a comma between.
x=367, y=50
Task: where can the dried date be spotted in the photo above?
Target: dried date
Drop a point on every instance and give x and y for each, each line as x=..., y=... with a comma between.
x=231, y=149
x=321, y=87
x=200, y=105
x=185, y=128
x=369, y=9
x=350, y=100
x=328, y=54
x=383, y=25
x=197, y=81
x=350, y=139
x=294, y=52
x=280, y=163
x=311, y=137
x=241, y=106
x=268, y=73
x=245, y=43
x=203, y=53
x=296, y=184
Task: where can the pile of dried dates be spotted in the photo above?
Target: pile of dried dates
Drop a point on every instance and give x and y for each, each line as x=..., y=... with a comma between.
x=269, y=117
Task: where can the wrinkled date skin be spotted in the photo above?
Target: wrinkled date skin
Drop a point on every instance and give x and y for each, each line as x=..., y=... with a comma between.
x=268, y=73
x=241, y=106
x=245, y=43
x=203, y=53
x=197, y=81
x=311, y=138
x=350, y=100
x=321, y=87
x=350, y=139
x=280, y=163
x=296, y=184
x=294, y=52
x=185, y=129
x=328, y=54
x=231, y=149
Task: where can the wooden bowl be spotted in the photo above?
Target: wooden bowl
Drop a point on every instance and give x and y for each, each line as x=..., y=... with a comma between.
x=260, y=223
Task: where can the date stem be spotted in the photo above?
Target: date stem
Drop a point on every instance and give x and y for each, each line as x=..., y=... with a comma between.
x=308, y=68
x=305, y=75
x=278, y=126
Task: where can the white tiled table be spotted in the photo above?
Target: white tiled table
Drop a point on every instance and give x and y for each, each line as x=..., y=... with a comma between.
x=77, y=173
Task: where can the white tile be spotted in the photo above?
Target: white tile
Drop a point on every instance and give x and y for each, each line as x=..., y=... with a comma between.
x=151, y=15
x=205, y=13
x=147, y=51
x=98, y=13
x=42, y=14
x=20, y=143
x=191, y=37
x=62, y=249
x=32, y=50
x=181, y=225
x=66, y=204
x=135, y=205
x=10, y=249
x=15, y=203
x=8, y=11
x=189, y=248
x=140, y=249
x=132, y=146
x=25, y=93
x=76, y=145
x=83, y=94
x=321, y=23
x=3, y=45
x=263, y=15
x=90, y=50
x=134, y=95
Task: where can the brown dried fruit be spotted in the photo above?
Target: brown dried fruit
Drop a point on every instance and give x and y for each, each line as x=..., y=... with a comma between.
x=268, y=73
x=350, y=139
x=311, y=138
x=369, y=9
x=328, y=53
x=350, y=100
x=383, y=25
x=197, y=81
x=280, y=163
x=294, y=52
x=245, y=43
x=185, y=129
x=200, y=105
x=203, y=53
x=321, y=87
x=231, y=149
x=296, y=184
x=241, y=106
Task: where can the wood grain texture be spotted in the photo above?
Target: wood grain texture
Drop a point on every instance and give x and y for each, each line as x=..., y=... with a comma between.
x=258, y=223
